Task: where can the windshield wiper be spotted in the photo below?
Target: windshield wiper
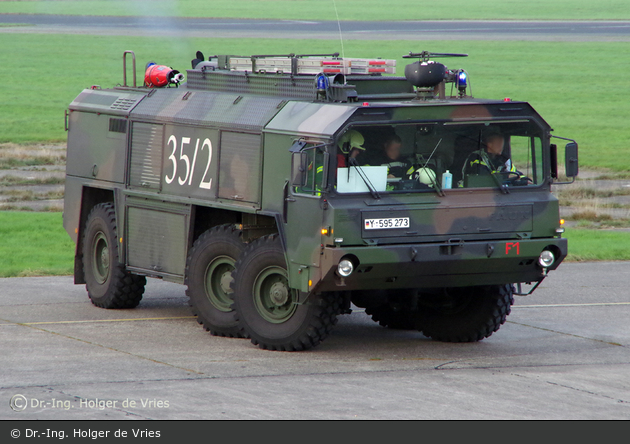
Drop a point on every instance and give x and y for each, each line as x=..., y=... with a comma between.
x=433, y=178
x=353, y=162
x=503, y=187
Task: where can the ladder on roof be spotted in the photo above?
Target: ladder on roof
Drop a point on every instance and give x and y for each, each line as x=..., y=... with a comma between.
x=311, y=65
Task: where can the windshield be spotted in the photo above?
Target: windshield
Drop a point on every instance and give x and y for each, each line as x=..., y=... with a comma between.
x=429, y=157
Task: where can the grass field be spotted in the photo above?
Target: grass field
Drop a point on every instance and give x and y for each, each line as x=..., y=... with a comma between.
x=346, y=9
x=597, y=245
x=35, y=244
x=579, y=88
x=569, y=89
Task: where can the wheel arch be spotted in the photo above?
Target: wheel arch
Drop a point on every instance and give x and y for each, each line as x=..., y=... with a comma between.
x=90, y=197
x=252, y=225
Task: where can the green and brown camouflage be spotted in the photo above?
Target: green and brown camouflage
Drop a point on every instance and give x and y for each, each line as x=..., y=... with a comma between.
x=259, y=150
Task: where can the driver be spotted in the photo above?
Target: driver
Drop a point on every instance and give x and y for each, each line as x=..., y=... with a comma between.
x=491, y=159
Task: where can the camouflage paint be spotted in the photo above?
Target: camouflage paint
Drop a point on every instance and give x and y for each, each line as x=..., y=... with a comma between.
x=159, y=151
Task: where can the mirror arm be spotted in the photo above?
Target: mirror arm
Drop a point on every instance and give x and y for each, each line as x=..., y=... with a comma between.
x=573, y=159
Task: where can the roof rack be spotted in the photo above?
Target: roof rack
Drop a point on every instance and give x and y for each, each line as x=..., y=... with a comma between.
x=311, y=65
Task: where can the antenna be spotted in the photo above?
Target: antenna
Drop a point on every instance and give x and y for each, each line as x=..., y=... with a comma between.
x=339, y=26
x=432, y=153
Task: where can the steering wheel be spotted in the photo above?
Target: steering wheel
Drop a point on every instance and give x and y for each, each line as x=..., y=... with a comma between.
x=514, y=178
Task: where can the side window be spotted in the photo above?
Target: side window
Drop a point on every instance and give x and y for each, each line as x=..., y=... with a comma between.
x=537, y=172
x=309, y=170
x=526, y=154
x=509, y=154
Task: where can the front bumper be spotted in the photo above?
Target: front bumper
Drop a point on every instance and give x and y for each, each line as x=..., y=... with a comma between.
x=436, y=265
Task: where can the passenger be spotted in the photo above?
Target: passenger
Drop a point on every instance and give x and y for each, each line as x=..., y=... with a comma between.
x=397, y=166
x=350, y=146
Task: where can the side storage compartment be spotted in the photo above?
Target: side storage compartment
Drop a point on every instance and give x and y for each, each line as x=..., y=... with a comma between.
x=96, y=146
x=157, y=237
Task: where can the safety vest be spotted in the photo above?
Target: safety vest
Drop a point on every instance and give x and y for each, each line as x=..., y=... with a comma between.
x=312, y=188
x=508, y=166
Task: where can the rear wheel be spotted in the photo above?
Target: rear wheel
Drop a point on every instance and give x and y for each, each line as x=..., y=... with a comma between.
x=397, y=310
x=108, y=284
x=208, y=277
x=465, y=314
x=392, y=317
x=266, y=307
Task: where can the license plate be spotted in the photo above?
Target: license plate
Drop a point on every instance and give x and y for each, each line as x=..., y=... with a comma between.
x=388, y=222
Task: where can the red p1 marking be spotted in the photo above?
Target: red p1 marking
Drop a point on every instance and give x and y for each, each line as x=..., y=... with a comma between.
x=513, y=245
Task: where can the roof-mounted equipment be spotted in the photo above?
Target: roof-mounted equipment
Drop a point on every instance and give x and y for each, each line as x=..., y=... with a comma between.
x=426, y=74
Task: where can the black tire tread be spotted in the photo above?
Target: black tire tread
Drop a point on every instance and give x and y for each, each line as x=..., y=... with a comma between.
x=321, y=319
x=496, y=307
x=227, y=231
x=128, y=288
x=385, y=316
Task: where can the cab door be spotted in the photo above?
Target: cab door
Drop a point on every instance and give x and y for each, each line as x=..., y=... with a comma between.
x=304, y=207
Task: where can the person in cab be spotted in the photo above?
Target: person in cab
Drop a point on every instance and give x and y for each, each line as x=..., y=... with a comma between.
x=492, y=158
x=397, y=165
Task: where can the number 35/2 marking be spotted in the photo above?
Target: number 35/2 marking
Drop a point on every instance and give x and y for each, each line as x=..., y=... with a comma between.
x=186, y=174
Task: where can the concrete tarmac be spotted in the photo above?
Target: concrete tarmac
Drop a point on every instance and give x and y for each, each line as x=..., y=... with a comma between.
x=564, y=353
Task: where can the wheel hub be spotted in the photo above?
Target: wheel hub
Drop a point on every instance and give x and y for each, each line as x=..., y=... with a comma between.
x=279, y=294
x=100, y=258
x=273, y=298
x=226, y=281
x=105, y=256
x=217, y=282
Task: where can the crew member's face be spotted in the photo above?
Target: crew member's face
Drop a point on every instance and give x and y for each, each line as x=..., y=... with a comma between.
x=354, y=152
x=495, y=145
x=392, y=150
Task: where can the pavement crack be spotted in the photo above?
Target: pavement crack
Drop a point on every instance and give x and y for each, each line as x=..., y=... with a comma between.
x=589, y=392
x=107, y=347
x=567, y=334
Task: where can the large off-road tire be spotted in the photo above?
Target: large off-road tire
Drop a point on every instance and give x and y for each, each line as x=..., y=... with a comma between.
x=107, y=282
x=208, y=276
x=392, y=317
x=465, y=314
x=395, y=311
x=267, y=309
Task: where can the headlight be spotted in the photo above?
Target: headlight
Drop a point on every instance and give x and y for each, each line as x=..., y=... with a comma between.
x=345, y=268
x=546, y=259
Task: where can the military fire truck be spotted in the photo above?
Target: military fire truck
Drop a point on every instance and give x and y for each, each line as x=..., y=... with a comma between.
x=284, y=191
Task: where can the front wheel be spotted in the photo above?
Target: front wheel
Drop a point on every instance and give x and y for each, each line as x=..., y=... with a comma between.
x=108, y=284
x=269, y=311
x=465, y=314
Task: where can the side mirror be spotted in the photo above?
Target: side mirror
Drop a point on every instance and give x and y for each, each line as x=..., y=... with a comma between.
x=309, y=167
x=571, y=159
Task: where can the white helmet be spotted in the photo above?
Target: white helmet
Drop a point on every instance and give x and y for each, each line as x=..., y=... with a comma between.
x=425, y=176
